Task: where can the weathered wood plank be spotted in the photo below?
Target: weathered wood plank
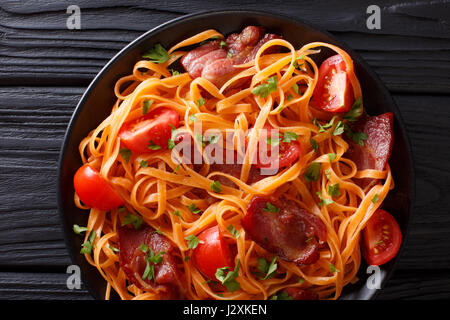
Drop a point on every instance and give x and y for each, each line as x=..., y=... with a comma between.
x=72, y=57
x=38, y=286
x=52, y=286
x=32, y=125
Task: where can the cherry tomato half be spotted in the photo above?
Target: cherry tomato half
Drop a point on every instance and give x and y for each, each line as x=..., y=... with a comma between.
x=333, y=92
x=382, y=238
x=212, y=253
x=94, y=191
x=288, y=152
x=150, y=132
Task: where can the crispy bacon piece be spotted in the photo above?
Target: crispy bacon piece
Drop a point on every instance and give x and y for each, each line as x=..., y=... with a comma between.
x=292, y=233
x=301, y=294
x=377, y=148
x=216, y=62
x=132, y=261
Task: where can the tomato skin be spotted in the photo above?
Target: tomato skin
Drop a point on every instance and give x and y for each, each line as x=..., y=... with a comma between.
x=288, y=152
x=155, y=126
x=334, y=91
x=212, y=253
x=94, y=191
x=382, y=238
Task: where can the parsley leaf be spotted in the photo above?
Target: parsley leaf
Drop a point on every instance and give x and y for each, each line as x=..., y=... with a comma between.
x=143, y=164
x=355, y=112
x=228, y=279
x=78, y=230
x=222, y=44
x=295, y=87
x=146, y=105
x=271, y=208
x=314, y=144
x=357, y=137
x=313, y=172
x=170, y=144
x=264, y=90
x=193, y=241
x=283, y=295
x=125, y=154
x=136, y=221
x=152, y=259
x=267, y=270
x=157, y=54
x=289, y=136
x=216, y=187
x=375, y=198
x=194, y=208
x=200, y=102
x=333, y=190
x=332, y=156
x=339, y=129
x=87, y=246
x=273, y=141
x=177, y=213
x=233, y=231
x=333, y=268
x=153, y=146
x=323, y=200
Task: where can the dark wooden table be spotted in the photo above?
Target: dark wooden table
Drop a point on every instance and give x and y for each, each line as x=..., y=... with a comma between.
x=44, y=69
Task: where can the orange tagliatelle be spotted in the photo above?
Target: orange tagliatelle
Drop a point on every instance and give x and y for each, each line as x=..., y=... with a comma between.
x=161, y=188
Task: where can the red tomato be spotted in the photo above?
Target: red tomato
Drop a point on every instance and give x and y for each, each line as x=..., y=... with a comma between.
x=333, y=92
x=382, y=238
x=94, y=191
x=288, y=152
x=212, y=253
x=155, y=129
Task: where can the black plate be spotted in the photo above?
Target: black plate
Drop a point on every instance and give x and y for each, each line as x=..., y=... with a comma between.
x=96, y=103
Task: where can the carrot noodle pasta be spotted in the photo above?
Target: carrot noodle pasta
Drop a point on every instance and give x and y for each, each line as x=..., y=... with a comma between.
x=161, y=191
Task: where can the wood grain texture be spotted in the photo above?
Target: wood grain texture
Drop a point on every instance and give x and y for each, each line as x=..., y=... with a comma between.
x=45, y=68
x=36, y=47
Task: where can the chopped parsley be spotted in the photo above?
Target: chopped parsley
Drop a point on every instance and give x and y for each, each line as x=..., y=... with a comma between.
x=222, y=44
x=295, y=88
x=355, y=112
x=78, y=230
x=332, y=156
x=283, y=295
x=333, y=190
x=273, y=141
x=146, y=105
x=216, y=187
x=134, y=220
x=289, y=136
x=193, y=241
x=265, y=89
x=177, y=213
x=313, y=172
x=157, y=54
x=271, y=208
x=200, y=102
x=194, y=208
x=153, y=146
x=152, y=259
x=87, y=246
x=339, y=129
x=267, y=270
x=143, y=164
x=375, y=198
x=125, y=154
x=314, y=144
x=228, y=279
x=174, y=72
x=333, y=268
x=233, y=231
x=323, y=201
